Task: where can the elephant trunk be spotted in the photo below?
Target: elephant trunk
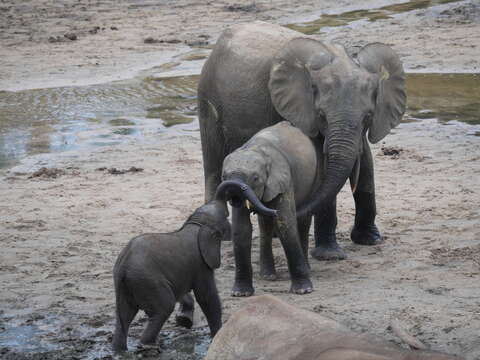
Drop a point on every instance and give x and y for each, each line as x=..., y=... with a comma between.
x=341, y=158
x=237, y=191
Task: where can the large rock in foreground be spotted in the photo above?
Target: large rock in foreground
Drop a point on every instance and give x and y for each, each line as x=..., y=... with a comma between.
x=266, y=328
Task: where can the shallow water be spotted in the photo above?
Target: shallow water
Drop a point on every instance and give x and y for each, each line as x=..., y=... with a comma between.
x=71, y=118
x=445, y=97
x=54, y=338
x=60, y=119
x=349, y=17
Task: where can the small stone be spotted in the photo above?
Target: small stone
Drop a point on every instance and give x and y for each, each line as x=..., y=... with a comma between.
x=150, y=40
x=171, y=41
x=71, y=36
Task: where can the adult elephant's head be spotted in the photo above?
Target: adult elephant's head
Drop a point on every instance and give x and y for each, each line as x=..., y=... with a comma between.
x=321, y=89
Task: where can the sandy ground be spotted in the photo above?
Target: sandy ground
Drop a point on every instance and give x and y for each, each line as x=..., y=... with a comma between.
x=61, y=235
x=110, y=35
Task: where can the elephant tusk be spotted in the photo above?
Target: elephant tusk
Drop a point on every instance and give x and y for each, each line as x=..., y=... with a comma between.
x=355, y=175
x=248, y=204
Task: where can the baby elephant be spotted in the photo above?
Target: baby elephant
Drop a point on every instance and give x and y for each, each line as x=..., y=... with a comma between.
x=154, y=271
x=277, y=166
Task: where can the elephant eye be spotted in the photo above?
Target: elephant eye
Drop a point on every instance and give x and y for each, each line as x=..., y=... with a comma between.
x=367, y=120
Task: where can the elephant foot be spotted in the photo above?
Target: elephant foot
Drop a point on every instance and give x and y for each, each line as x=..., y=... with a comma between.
x=301, y=286
x=147, y=346
x=242, y=289
x=322, y=253
x=185, y=319
x=268, y=277
x=268, y=273
x=369, y=235
x=327, y=248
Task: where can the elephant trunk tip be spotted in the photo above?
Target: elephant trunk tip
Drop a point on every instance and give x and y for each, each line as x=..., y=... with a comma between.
x=237, y=191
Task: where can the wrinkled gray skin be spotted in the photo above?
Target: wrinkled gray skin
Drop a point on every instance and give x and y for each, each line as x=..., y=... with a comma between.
x=269, y=329
x=280, y=165
x=154, y=271
x=259, y=74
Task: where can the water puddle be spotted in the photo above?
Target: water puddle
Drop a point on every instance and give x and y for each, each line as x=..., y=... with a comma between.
x=349, y=17
x=24, y=338
x=445, y=97
x=50, y=336
x=72, y=118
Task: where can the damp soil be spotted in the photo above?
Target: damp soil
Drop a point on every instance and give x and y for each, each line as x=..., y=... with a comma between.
x=71, y=201
x=65, y=223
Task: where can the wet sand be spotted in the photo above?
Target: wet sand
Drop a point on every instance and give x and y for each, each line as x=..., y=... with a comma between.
x=61, y=233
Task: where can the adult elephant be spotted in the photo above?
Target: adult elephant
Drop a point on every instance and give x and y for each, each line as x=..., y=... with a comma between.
x=259, y=74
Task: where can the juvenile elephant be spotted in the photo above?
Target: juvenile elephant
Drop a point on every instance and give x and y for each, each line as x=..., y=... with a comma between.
x=259, y=74
x=279, y=165
x=154, y=271
x=269, y=329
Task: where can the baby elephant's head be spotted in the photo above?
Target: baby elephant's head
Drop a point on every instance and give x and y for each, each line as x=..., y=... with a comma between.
x=249, y=166
x=214, y=215
x=214, y=228
x=254, y=174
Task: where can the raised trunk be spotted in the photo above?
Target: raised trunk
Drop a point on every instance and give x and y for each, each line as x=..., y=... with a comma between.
x=342, y=156
x=237, y=191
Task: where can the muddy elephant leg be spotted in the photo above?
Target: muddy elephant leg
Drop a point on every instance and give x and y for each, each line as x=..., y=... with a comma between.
x=267, y=264
x=156, y=318
x=125, y=313
x=159, y=305
x=242, y=249
x=326, y=246
x=303, y=225
x=207, y=297
x=364, y=231
x=286, y=226
x=184, y=317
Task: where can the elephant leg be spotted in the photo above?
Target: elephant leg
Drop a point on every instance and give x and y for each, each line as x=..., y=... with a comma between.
x=242, y=249
x=125, y=313
x=303, y=225
x=364, y=231
x=326, y=246
x=156, y=318
x=286, y=226
x=207, y=297
x=267, y=264
x=184, y=317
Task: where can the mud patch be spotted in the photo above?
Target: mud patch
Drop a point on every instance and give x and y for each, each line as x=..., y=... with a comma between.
x=47, y=173
x=115, y=171
x=463, y=14
x=446, y=255
x=250, y=8
x=347, y=18
x=392, y=151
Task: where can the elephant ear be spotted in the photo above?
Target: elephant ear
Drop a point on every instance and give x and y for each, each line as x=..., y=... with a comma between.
x=290, y=81
x=278, y=177
x=380, y=59
x=209, y=246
